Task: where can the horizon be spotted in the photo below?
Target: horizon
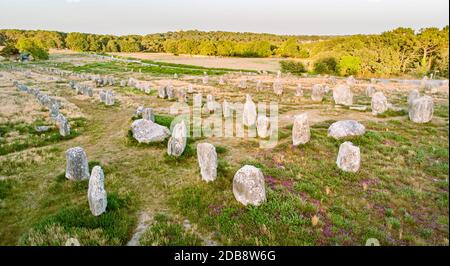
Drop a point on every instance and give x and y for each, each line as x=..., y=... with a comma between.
x=284, y=17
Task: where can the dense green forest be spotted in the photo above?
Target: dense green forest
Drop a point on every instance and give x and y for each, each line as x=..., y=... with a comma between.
x=398, y=52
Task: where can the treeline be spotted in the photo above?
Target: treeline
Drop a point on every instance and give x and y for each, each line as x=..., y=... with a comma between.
x=401, y=51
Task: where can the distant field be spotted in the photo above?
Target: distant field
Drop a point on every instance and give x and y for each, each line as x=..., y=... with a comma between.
x=267, y=64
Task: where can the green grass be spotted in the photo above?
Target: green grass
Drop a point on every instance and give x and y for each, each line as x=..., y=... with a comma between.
x=5, y=188
x=113, y=227
x=167, y=232
x=28, y=137
x=393, y=113
x=394, y=155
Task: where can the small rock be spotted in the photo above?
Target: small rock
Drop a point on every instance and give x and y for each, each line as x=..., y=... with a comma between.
x=346, y=128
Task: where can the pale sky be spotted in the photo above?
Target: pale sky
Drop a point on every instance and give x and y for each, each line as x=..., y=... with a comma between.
x=321, y=17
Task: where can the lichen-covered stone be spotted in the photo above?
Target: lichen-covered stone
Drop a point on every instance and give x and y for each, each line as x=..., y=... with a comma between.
x=97, y=197
x=421, y=109
x=299, y=90
x=177, y=143
x=263, y=126
x=317, y=93
x=370, y=90
x=413, y=94
x=349, y=158
x=379, y=103
x=343, y=95
x=63, y=125
x=207, y=160
x=278, y=87
x=249, y=112
x=76, y=164
x=249, y=186
x=146, y=131
x=147, y=114
x=300, y=129
x=346, y=128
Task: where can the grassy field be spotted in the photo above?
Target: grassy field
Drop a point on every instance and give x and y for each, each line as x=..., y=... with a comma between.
x=399, y=196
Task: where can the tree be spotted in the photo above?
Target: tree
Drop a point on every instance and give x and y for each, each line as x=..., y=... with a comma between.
x=225, y=48
x=261, y=48
x=112, y=46
x=170, y=46
x=349, y=65
x=289, y=48
x=29, y=45
x=9, y=50
x=207, y=48
x=77, y=41
x=429, y=42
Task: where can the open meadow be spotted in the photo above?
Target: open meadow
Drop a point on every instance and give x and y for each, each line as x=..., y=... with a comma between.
x=397, y=194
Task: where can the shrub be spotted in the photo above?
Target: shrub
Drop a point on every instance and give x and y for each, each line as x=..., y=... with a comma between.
x=28, y=45
x=349, y=65
x=9, y=50
x=326, y=65
x=293, y=67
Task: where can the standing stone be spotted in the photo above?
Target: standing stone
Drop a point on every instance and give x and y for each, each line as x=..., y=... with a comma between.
x=263, y=126
x=300, y=130
x=227, y=110
x=331, y=80
x=123, y=83
x=421, y=109
x=350, y=81
x=343, y=95
x=259, y=85
x=222, y=81
x=63, y=125
x=210, y=103
x=182, y=98
x=317, y=93
x=370, y=90
x=146, y=131
x=249, y=186
x=299, y=90
x=139, y=110
x=413, y=94
x=205, y=79
x=249, y=112
x=102, y=95
x=190, y=88
x=197, y=99
x=346, y=128
x=379, y=103
x=207, y=160
x=109, y=98
x=162, y=93
x=278, y=87
x=175, y=76
x=96, y=192
x=177, y=143
x=54, y=110
x=170, y=92
x=242, y=84
x=349, y=158
x=76, y=164
x=147, y=114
